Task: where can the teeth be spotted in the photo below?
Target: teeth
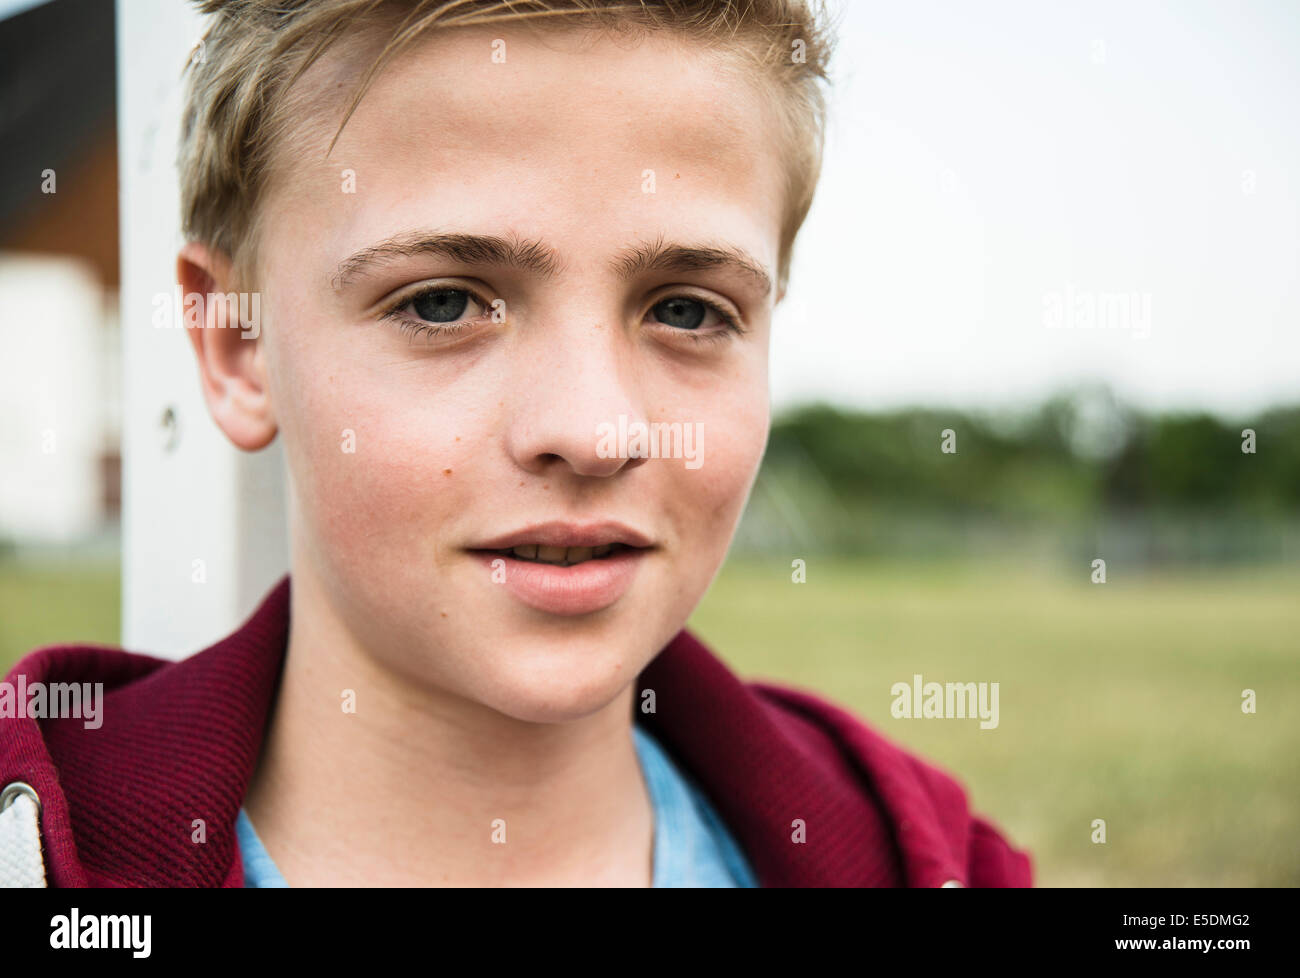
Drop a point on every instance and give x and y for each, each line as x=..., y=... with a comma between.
x=563, y=556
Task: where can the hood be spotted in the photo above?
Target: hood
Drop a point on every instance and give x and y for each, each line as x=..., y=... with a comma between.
x=814, y=796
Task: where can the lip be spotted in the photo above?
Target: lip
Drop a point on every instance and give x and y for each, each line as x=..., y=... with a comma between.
x=579, y=589
x=562, y=534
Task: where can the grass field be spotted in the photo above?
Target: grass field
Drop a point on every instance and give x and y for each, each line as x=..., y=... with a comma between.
x=1119, y=701
x=57, y=601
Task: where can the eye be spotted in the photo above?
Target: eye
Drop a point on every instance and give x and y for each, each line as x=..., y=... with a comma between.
x=695, y=315
x=434, y=311
x=441, y=305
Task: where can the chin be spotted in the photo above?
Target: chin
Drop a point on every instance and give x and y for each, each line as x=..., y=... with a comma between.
x=556, y=679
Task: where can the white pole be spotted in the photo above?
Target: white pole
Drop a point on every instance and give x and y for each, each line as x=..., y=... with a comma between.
x=203, y=528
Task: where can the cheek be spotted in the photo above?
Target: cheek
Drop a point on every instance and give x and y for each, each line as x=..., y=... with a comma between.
x=735, y=429
x=374, y=467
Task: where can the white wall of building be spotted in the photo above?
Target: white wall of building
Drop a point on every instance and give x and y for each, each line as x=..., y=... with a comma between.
x=52, y=419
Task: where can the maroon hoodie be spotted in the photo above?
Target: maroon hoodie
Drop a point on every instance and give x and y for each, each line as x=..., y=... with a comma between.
x=179, y=741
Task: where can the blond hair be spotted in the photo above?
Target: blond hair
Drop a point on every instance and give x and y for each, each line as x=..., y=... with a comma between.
x=254, y=50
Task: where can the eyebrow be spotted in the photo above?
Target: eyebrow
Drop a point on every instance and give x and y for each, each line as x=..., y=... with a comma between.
x=534, y=256
x=660, y=257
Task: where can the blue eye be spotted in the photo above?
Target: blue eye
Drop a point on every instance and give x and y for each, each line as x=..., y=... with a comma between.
x=690, y=316
x=437, y=312
x=441, y=305
x=681, y=312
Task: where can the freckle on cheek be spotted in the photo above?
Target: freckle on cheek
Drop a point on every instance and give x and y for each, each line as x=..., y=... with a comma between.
x=446, y=471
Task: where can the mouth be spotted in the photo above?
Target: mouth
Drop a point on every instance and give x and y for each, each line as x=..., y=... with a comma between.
x=566, y=568
x=565, y=543
x=534, y=553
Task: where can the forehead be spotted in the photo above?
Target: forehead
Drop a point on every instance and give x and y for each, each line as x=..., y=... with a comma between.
x=555, y=134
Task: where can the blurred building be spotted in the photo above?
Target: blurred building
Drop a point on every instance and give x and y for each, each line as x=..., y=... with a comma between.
x=60, y=397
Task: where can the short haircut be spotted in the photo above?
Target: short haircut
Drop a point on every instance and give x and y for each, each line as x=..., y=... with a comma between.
x=253, y=51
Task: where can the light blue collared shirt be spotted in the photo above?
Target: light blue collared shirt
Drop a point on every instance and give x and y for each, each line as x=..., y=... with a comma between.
x=692, y=848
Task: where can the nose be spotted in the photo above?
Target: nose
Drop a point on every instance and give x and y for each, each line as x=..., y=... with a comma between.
x=573, y=383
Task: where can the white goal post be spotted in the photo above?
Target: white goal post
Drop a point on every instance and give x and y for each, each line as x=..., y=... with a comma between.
x=203, y=524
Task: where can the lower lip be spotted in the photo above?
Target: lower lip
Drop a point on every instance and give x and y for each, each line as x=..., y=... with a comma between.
x=576, y=590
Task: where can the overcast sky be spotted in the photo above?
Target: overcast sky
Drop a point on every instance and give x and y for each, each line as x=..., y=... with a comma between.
x=996, y=169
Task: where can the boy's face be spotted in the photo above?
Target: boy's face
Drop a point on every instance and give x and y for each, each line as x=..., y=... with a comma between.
x=413, y=456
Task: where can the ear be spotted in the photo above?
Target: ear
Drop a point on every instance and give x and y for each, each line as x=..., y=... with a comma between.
x=232, y=361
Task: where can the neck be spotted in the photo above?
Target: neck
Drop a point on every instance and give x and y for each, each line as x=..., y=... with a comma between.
x=419, y=787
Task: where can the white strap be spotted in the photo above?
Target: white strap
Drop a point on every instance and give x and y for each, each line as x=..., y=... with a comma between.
x=21, y=863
